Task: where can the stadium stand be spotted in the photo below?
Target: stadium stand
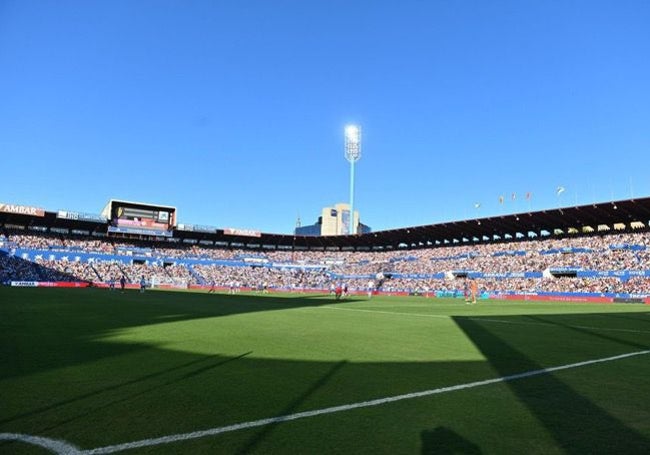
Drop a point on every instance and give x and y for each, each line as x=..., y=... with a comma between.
x=608, y=260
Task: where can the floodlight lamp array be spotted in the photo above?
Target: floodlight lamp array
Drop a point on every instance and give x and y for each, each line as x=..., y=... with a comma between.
x=352, y=143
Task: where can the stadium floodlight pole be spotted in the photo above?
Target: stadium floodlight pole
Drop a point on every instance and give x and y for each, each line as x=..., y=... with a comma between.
x=352, y=154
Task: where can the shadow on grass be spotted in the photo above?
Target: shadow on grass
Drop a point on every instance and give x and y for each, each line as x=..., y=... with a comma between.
x=444, y=441
x=129, y=396
x=111, y=388
x=592, y=429
x=589, y=331
x=644, y=319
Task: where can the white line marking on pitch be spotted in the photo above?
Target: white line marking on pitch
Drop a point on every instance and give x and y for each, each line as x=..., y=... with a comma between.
x=417, y=315
x=346, y=407
x=482, y=319
x=53, y=445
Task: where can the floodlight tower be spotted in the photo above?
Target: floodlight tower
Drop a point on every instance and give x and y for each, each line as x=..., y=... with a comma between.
x=352, y=154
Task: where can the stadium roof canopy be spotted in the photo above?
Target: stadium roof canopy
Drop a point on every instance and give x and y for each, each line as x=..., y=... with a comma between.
x=623, y=216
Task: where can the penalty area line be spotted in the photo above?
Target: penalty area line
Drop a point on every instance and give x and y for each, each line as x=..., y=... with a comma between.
x=346, y=407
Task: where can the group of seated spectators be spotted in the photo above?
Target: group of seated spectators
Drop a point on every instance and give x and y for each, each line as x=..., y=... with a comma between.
x=12, y=268
x=265, y=277
x=163, y=262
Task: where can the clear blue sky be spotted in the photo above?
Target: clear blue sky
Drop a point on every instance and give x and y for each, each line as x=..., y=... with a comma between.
x=233, y=111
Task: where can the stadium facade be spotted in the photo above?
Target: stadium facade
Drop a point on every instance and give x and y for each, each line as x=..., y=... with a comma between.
x=630, y=215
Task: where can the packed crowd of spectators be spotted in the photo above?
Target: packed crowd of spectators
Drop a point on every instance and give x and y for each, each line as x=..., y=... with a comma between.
x=321, y=269
x=263, y=277
x=66, y=270
x=12, y=268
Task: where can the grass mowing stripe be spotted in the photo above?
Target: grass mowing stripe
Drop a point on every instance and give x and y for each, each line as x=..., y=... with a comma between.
x=482, y=319
x=347, y=407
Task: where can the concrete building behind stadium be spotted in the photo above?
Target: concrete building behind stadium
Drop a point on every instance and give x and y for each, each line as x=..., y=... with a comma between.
x=333, y=221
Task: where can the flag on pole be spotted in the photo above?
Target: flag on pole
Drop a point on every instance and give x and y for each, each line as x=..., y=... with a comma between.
x=500, y=199
x=528, y=196
x=560, y=190
x=514, y=196
x=477, y=205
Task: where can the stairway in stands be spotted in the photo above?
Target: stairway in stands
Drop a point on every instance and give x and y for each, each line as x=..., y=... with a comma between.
x=197, y=276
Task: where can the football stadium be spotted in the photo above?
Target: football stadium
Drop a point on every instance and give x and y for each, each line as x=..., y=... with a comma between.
x=184, y=268
x=124, y=331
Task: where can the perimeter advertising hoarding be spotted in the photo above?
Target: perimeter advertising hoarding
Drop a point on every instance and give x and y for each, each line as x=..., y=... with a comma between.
x=206, y=229
x=49, y=284
x=196, y=228
x=139, y=231
x=629, y=300
x=141, y=224
x=24, y=284
x=22, y=209
x=242, y=232
x=80, y=216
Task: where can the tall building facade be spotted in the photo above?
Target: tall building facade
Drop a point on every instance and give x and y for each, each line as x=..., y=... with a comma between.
x=334, y=221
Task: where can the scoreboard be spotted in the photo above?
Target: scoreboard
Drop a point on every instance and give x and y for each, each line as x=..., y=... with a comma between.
x=140, y=218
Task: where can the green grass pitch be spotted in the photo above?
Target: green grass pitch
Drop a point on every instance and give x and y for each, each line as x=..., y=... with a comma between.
x=96, y=368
